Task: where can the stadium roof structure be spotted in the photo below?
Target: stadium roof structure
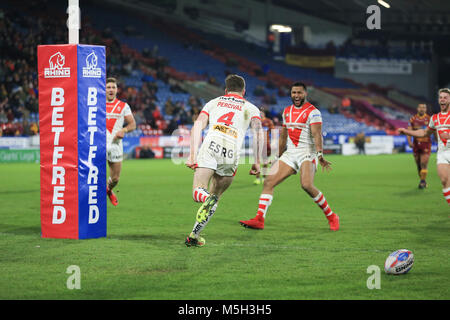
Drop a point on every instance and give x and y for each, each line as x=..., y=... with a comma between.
x=404, y=17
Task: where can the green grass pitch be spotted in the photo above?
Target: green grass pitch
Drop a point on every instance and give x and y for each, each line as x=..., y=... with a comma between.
x=295, y=257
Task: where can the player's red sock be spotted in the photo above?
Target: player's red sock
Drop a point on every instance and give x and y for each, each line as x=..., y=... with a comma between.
x=323, y=204
x=446, y=193
x=265, y=200
x=200, y=194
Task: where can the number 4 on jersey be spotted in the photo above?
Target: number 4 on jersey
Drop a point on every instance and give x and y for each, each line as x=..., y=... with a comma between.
x=226, y=118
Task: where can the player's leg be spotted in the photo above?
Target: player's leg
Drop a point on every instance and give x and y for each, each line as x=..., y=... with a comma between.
x=423, y=158
x=218, y=186
x=307, y=173
x=417, y=160
x=220, y=183
x=444, y=174
x=115, y=169
x=277, y=174
x=200, y=193
x=202, y=176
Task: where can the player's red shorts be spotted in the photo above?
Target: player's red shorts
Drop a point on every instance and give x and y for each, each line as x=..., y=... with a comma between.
x=422, y=148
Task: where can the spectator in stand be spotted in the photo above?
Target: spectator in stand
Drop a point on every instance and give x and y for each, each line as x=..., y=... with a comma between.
x=161, y=124
x=184, y=116
x=193, y=101
x=169, y=107
x=139, y=117
x=148, y=117
x=172, y=125
x=157, y=114
x=346, y=104
x=34, y=128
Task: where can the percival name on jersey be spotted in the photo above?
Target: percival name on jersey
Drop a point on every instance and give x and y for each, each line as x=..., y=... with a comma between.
x=229, y=118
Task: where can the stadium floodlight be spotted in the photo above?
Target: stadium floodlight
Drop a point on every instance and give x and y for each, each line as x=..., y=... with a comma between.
x=280, y=28
x=384, y=3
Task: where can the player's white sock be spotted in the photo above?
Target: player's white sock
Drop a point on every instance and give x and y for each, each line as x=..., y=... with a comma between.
x=323, y=204
x=265, y=200
x=446, y=193
x=200, y=194
x=198, y=227
x=111, y=184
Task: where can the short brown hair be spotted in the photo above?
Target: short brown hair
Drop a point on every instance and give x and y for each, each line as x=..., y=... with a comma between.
x=111, y=79
x=234, y=83
x=445, y=90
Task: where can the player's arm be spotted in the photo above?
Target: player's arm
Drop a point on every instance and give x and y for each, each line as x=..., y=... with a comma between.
x=196, y=138
x=316, y=131
x=409, y=138
x=282, y=141
x=131, y=126
x=419, y=133
x=258, y=143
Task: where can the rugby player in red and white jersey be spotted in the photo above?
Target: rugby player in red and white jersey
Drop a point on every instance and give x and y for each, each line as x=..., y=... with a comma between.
x=302, y=134
x=216, y=161
x=116, y=113
x=439, y=123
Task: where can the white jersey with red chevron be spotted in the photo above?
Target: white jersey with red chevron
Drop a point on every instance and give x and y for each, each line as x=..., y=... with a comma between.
x=229, y=117
x=298, y=122
x=115, y=115
x=441, y=123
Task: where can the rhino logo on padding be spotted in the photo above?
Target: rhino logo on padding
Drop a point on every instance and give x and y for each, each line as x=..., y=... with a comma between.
x=91, y=61
x=91, y=70
x=57, y=61
x=56, y=67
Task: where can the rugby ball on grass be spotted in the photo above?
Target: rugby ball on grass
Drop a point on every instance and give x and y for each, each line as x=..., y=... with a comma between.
x=399, y=262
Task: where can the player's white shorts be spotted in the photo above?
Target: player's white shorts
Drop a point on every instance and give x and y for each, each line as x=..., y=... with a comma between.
x=114, y=152
x=218, y=155
x=295, y=157
x=443, y=157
